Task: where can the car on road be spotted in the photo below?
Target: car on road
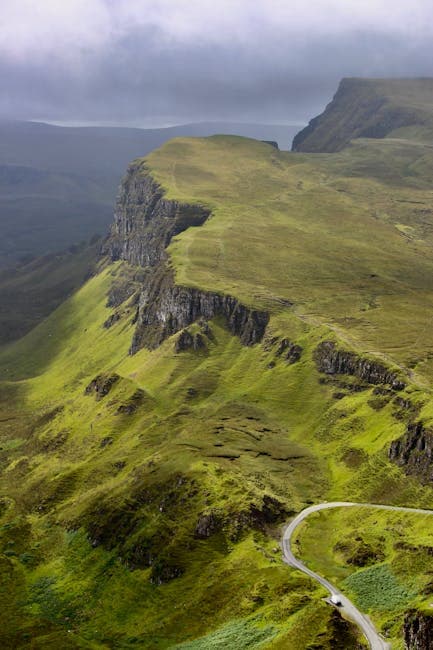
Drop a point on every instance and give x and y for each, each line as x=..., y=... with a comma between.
x=336, y=600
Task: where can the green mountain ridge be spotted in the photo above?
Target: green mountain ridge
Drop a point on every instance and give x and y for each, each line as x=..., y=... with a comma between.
x=256, y=338
x=371, y=108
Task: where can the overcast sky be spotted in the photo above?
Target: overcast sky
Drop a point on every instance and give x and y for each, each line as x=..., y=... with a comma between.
x=158, y=62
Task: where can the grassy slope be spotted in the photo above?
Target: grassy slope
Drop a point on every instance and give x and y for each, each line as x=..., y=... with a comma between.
x=374, y=108
x=60, y=481
x=225, y=423
x=32, y=291
x=347, y=237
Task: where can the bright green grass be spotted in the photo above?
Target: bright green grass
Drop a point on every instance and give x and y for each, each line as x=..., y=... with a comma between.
x=171, y=435
x=219, y=431
x=347, y=237
x=356, y=543
x=299, y=457
x=61, y=575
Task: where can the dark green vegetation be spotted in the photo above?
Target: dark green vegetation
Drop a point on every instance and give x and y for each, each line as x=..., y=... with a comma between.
x=58, y=184
x=143, y=495
x=32, y=290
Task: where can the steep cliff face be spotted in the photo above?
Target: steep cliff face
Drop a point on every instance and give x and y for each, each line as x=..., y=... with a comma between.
x=333, y=361
x=145, y=222
x=418, y=631
x=165, y=308
x=144, y=225
x=414, y=451
x=361, y=108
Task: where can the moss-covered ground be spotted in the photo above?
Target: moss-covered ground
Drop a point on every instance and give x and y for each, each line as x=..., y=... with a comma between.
x=103, y=497
x=382, y=560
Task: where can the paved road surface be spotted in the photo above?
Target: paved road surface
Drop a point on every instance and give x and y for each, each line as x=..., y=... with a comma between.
x=376, y=641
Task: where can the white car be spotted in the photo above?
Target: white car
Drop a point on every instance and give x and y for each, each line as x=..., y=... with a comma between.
x=336, y=600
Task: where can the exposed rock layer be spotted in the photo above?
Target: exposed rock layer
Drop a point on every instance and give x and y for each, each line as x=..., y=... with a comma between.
x=418, y=631
x=414, y=451
x=166, y=308
x=333, y=361
x=145, y=223
x=101, y=385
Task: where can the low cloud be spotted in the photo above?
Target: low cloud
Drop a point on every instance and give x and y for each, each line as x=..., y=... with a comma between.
x=155, y=62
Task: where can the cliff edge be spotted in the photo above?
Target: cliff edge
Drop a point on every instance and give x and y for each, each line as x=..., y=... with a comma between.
x=145, y=222
x=367, y=108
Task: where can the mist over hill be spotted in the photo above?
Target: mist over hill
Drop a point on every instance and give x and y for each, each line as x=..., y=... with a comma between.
x=58, y=184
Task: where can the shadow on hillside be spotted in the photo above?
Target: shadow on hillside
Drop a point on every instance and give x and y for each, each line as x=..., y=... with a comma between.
x=30, y=356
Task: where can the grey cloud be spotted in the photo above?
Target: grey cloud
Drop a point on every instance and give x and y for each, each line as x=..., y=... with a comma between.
x=146, y=73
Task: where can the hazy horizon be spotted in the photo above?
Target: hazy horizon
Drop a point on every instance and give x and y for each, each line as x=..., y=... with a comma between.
x=114, y=125
x=158, y=63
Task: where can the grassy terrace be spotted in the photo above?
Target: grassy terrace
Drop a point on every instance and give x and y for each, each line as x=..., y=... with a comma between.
x=216, y=432
x=346, y=237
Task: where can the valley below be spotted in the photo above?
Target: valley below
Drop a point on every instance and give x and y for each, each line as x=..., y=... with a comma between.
x=251, y=341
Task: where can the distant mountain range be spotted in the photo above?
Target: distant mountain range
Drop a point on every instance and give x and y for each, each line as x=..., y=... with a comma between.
x=58, y=184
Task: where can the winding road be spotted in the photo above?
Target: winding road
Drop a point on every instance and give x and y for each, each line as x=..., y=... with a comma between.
x=376, y=641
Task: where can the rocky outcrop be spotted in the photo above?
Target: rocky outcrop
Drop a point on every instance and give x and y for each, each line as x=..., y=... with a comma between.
x=112, y=320
x=289, y=351
x=283, y=348
x=166, y=308
x=418, y=630
x=333, y=361
x=126, y=286
x=273, y=143
x=133, y=403
x=270, y=511
x=414, y=451
x=145, y=223
x=188, y=341
x=361, y=108
x=101, y=385
x=207, y=525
